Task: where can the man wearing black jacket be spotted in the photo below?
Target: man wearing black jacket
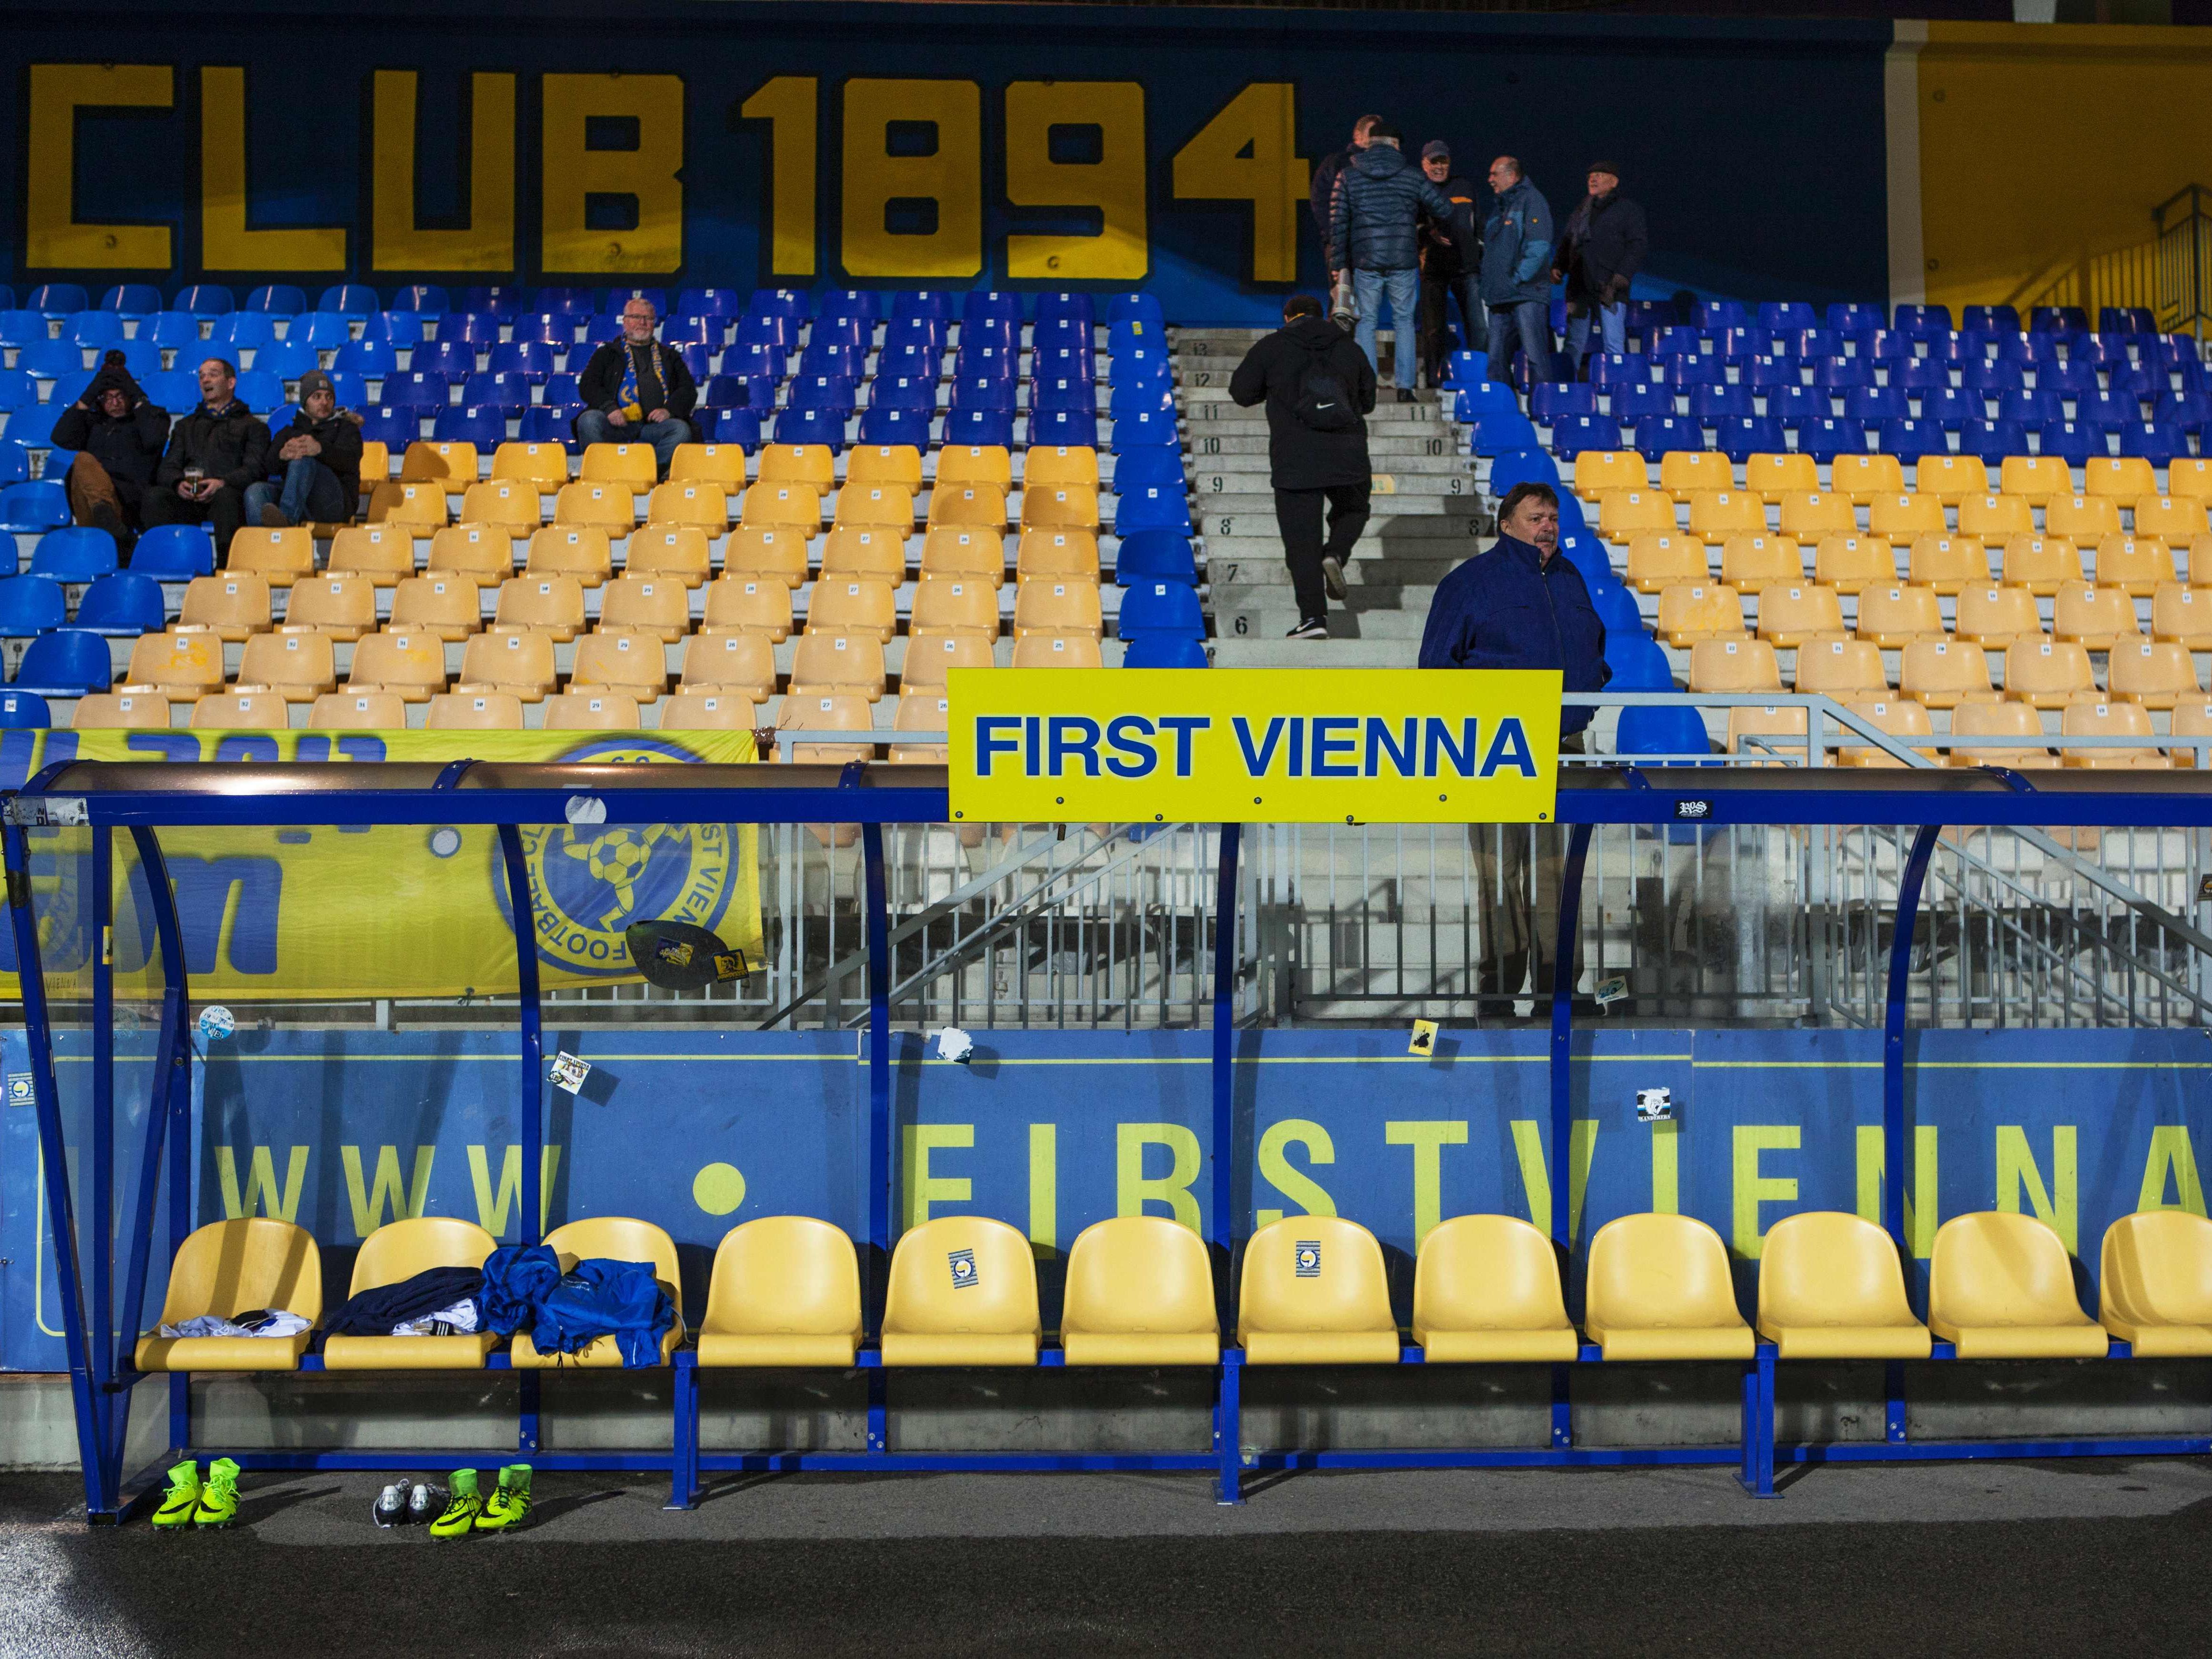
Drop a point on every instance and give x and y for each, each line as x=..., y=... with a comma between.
x=1319, y=386
x=1452, y=267
x=315, y=461
x=637, y=391
x=215, y=454
x=1322, y=197
x=1601, y=250
x=116, y=434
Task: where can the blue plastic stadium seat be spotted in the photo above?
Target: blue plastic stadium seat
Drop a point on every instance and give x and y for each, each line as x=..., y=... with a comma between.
x=1845, y=315
x=549, y=423
x=278, y=299
x=1145, y=429
x=1661, y=731
x=565, y=303
x=1656, y=435
x=132, y=300
x=2141, y=381
x=242, y=331
x=741, y=427
x=286, y=359
x=712, y=301
x=1521, y=466
x=1125, y=337
x=534, y=326
x=1910, y=439
x=1495, y=434
x=1148, y=555
x=16, y=461
x=1761, y=374
x=1139, y=365
x=1680, y=341
x=67, y=553
x=427, y=298
x=485, y=428
x=907, y=361
x=1741, y=437
x=2108, y=410
x=1072, y=308
x=986, y=358
x=2185, y=411
x=1152, y=507
x=17, y=390
x=986, y=305
x=31, y=605
x=780, y=334
x=833, y=356
x=812, y=425
x=174, y=552
x=1464, y=368
x=393, y=425
x=261, y=391
x=564, y=389
x=1164, y=651
x=864, y=303
x=1615, y=606
x=830, y=391
x=127, y=603
x=1161, y=607
x=791, y=305
x=423, y=389
x=1148, y=466
x=505, y=300
x=1919, y=375
x=173, y=330
x=1951, y=407
x=2153, y=440
x=371, y=358
x=895, y=426
x=353, y=299
x=1608, y=371
x=2067, y=379
x=917, y=334
x=455, y=359
x=1477, y=398
x=2056, y=319
x=43, y=505
x=1071, y=427
x=69, y=662
x=57, y=298
x=326, y=330
x=1711, y=403
x=397, y=329
x=1135, y=308
x=1637, y=400
x=1550, y=400
x=1875, y=403
x=1684, y=373
x=692, y=331
x=23, y=711
x=983, y=391
x=925, y=302
x=94, y=328
x=1787, y=313
x=1922, y=316
x=1826, y=438
x=1723, y=313
x=67, y=388
x=1638, y=662
x=51, y=359
x=1572, y=434
x=1992, y=441
x=207, y=300
x=1124, y=401
x=2004, y=319
x=1995, y=376
x=2071, y=440
x=891, y=392
x=1842, y=373
x=530, y=360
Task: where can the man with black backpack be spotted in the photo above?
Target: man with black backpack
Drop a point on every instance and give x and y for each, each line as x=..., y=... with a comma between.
x=1319, y=387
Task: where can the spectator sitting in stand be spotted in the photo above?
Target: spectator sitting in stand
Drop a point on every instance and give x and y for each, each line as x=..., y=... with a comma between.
x=117, y=433
x=637, y=391
x=318, y=460
x=215, y=454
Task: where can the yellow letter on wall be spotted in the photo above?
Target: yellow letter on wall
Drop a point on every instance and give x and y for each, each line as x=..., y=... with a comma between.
x=1920, y=1208
x=1753, y=1189
x=2060, y=1207
x=923, y=1188
x=1114, y=183
x=1275, y=1170
x=226, y=244
x=2171, y=1154
x=788, y=104
x=1132, y=1189
x=950, y=176
x=51, y=234
x=1428, y=1139
x=486, y=241
x=574, y=173
x=1249, y=152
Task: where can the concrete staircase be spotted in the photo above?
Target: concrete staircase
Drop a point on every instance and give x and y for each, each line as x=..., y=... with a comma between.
x=1428, y=514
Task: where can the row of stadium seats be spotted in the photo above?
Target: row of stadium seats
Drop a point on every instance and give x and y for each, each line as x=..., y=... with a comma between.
x=1862, y=479
x=1825, y=440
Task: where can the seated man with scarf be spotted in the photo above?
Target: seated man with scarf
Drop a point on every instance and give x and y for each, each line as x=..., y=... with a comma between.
x=637, y=391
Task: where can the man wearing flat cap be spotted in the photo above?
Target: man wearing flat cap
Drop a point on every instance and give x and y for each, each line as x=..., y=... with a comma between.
x=315, y=463
x=116, y=434
x=1601, y=250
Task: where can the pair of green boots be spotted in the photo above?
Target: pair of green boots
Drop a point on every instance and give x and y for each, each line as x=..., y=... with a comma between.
x=210, y=1505
x=468, y=1511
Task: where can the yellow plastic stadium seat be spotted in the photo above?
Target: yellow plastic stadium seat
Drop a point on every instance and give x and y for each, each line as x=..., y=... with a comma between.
x=970, y=504
x=1951, y=478
x=343, y=607
x=1061, y=506
x=483, y=553
x=1599, y=472
x=398, y=1251
x=579, y=551
x=134, y=710
x=1993, y=618
x=632, y=662
x=298, y=667
x=2047, y=673
x=794, y=505
x=1831, y=1287
x=474, y=710
x=2001, y=1287
x=1842, y=669
x=384, y=553
x=1717, y=514
x=777, y=551
x=972, y=464
x=921, y=709
x=2082, y=519
x=1058, y=651
x=1043, y=605
x=2041, y=564
x=671, y=552
x=1768, y=731
x=721, y=464
x=1894, y=616
x=421, y=505
x=2035, y=478
x=543, y=463
x=1948, y=563
x=826, y=661
x=1995, y=518
x=932, y=653
x=1896, y=718
x=592, y=708
x=2176, y=520
x=1666, y=559
x=1139, y=1292
x=1733, y=666
x=749, y=606
x=226, y=1267
x=2126, y=478
x=2190, y=477
x=375, y=459
x=1624, y=514
x=876, y=507
x=280, y=557
x=620, y=463
x=621, y=1239
x=1487, y=1291
x=785, y=1291
x=835, y=711
x=452, y=607
x=409, y=662
x=519, y=661
x=1047, y=466
x=881, y=463
x=1776, y=477
x=962, y=1292
x=234, y=605
x=2097, y=616
x=2182, y=615
x=847, y=607
x=1904, y=518
x=1707, y=611
x=702, y=506
x=1059, y=554
x=554, y=605
x=1944, y=673
x=608, y=508
x=1850, y=564
x=1866, y=478
x=1800, y=614
x=730, y=662
x=1753, y=564
x=949, y=602
x=708, y=711
x=2088, y=719
x=2000, y=720
x=1809, y=515
x=358, y=711
x=2154, y=1284
x=1314, y=1293
x=181, y=666
x=2134, y=564
x=662, y=608
x=1686, y=473
x=977, y=555
x=1659, y=1288
x=2191, y=719
x=873, y=554
x=435, y=461
x=2157, y=674
x=800, y=464
x=240, y=710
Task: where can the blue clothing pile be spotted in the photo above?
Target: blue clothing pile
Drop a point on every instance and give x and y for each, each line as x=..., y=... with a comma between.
x=523, y=1286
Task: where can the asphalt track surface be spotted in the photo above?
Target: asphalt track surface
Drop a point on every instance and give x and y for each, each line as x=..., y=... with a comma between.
x=2092, y=1556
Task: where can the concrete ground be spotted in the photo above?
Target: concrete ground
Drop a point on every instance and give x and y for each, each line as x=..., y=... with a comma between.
x=1906, y=1559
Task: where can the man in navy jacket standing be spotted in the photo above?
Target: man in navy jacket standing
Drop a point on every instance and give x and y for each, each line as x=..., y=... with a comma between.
x=1520, y=605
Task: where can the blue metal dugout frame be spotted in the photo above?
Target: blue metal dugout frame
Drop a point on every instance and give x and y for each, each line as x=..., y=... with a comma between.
x=142, y=797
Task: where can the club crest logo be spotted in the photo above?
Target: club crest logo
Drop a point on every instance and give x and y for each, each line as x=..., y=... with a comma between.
x=1306, y=1262
x=963, y=1268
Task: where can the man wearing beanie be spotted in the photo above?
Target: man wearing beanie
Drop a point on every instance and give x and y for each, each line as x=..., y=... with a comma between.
x=1601, y=250
x=314, y=463
x=116, y=434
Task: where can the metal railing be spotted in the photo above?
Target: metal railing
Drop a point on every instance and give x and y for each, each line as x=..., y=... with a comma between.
x=2170, y=275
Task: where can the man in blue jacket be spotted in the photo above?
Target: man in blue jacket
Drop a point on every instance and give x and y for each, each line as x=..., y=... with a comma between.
x=1374, y=233
x=1516, y=272
x=1520, y=605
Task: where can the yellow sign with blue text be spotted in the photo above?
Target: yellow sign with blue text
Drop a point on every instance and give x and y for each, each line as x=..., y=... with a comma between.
x=1230, y=745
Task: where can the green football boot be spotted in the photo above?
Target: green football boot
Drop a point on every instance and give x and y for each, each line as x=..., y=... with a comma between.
x=181, y=1499
x=462, y=1507
x=509, y=1505
x=218, y=1504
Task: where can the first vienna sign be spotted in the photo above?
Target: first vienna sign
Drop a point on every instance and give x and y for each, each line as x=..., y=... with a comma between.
x=1225, y=745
